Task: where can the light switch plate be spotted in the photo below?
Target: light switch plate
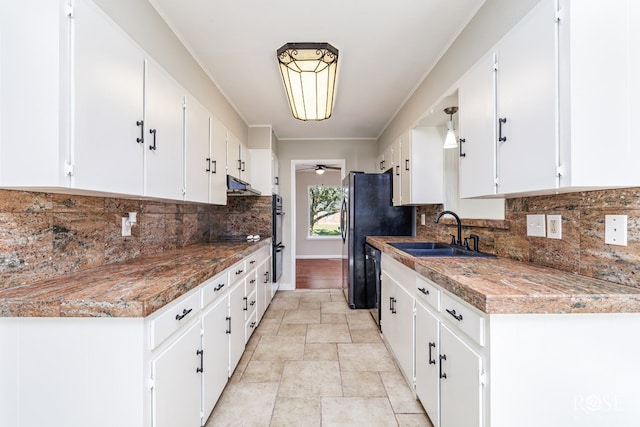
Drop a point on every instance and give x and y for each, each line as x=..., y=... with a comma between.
x=615, y=230
x=554, y=226
x=126, y=227
x=536, y=226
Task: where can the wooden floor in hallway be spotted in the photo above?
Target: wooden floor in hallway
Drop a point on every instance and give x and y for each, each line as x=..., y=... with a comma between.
x=319, y=273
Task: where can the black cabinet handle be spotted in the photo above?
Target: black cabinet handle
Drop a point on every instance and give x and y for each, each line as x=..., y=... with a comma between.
x=501, y=121
x=253, y=261
x=184, y=314
x=228, y=319
x=391, y=304
x=252, y=281
x=443, y=375
x=208, y=160
x=266, y=277
x=140, y=123
x=239, y=272
x=398, y=170
x=406, y=164
x=243, y=165
x=153, y=132
x=276, y=180
x=215, y=166
x=252, y=325
x=393, y=309
x=462, y=141
x=245, y=304
x=239, y=164
x=456, y=316
x=432, y=361
x=217, y=288
x=201, y=354
x=252, y=303
x=424, y=291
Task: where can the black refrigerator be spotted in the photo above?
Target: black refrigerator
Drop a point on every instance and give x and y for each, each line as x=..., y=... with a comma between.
x=367, y=210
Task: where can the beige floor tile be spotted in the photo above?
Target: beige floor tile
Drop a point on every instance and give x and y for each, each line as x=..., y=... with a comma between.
x=296, y=412
x=365, y=357
x=293, y=329
x=337, y=295
x=315, y=296
x=365, y=336
x=241, y=366
x=413, y=420
x=273, y=314
x=357, y=411
x=258, y=371
x=310, y=378
x=309, y=305
x=328, y=333
x=285, y=304
x=301, y=316
x=362, y=384
x=268, y=327
x=361, y=319
x=320, y=351
x=253, y=341
x=335, y=307
x=400, y=395
x=244, y=404
x=333, y=318
x=279, y=348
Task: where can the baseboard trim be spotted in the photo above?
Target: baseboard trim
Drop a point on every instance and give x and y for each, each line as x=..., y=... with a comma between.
x=318, y=256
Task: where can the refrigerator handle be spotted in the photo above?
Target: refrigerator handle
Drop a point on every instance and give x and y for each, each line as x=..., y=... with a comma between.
x=343, y=220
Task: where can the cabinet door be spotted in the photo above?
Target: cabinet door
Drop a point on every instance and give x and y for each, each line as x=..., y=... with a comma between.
x=403, y=330
x=197, y=156
x=461, y=368
x=387, y=293
x=108, y=94
x=218, y=179
x=396, y=154
x=215, y=344
x=406, y=168
x=164, y=141
x=527, y=80
x=177, y=390
x=261, y=289
x=245, y=162
x=236, y=335
x=476, y=97
x=234, y=162
x=427, y=351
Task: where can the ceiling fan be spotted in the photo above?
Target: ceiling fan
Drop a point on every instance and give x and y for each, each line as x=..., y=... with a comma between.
x=320, y=169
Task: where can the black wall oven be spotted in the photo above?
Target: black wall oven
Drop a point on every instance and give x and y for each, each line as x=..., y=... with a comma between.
x=276, y=241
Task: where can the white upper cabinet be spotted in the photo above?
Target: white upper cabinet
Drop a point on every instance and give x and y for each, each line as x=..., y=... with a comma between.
x=558, y=111
x=237, y=158
x=108, y=87
x=265, y=169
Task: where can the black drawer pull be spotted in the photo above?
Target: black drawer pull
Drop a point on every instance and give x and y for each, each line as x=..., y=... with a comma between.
x=252, y=303
x=201, y=354
x=215, y=166
x=220, y=286
x=432, y=361
x=239, y=272
x=153, y=132
x=208, y=160
x=228, y=324
x=253, y=261
x=456, y=316
x=501, y=121
x=140, y=123
x=443, y=375
x=184, y=314
x=245, y=304
x=252, y=325
x=252, y=281
x=424, y=291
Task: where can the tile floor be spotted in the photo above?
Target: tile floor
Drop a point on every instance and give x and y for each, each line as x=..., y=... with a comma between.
x=314, y=362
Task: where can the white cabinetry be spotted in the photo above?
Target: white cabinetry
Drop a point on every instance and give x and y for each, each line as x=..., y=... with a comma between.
x=215, y=344
x=532, y=119
x=384, y=161
x=177, y=386
x=205, y=155
x=236, y=329
x=237, y=158
x=265, y=169
x=427, y=361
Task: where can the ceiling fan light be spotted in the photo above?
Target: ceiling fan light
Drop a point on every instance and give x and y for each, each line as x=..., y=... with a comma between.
x=320, y=170
x=309, y=76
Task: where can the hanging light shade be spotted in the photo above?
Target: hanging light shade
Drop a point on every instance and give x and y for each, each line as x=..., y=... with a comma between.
x=450, y=139
x=309, y=77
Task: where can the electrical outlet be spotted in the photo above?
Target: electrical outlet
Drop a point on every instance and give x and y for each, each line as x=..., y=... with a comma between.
x=554, y=226
x=126, y=227
x=615, y=230
x=535, y=226
x=423, y=219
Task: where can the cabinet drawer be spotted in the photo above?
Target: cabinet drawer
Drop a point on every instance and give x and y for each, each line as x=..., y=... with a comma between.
x=463, y=317
x=250, y=326
x=250, y=305
x=400, y=273
x=252, y=280
x=214, y=287
x=172, y=317
x=237, y=272
x=428, y=292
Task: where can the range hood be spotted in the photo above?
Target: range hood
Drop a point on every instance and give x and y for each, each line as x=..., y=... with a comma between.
x=237, y=187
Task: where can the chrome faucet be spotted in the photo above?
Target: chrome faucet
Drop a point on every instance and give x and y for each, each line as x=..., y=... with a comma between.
x=453, y=214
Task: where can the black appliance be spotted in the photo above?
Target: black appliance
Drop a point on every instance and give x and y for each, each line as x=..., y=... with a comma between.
x=372, y=277
x=367, y=210
x=276, y=240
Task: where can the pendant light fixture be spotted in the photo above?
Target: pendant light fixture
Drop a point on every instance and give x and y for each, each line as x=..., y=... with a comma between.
x=309, y=75
x=450, y=140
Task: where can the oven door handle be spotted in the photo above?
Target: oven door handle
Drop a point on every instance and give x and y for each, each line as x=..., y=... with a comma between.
x=279, y=248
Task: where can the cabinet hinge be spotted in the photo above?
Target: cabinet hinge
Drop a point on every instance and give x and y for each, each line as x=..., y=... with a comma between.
x=68, y=10
x=559, y=15
x=483, y=378
x=151, y=383
x=496, y=181
x=68, y=169
x=560, y=171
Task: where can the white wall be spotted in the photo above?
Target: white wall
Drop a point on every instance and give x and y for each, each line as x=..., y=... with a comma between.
x=359, y=155
x=325, y=247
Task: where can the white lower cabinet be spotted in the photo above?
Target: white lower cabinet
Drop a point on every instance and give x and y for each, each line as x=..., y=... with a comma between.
x=236, y=332
x=215, y=344
x=427, y=361
x=177, y=389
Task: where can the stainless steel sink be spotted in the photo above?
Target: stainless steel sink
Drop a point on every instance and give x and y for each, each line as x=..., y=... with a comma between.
x=436, y=249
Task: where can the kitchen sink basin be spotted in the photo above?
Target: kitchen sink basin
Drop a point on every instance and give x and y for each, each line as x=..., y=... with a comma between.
x=436, y=249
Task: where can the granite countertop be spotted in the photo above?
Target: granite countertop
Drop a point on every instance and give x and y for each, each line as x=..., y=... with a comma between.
x=134, y=288
x=503, y=286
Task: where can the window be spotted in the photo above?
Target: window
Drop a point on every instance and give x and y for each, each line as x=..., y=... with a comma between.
x=324, y=211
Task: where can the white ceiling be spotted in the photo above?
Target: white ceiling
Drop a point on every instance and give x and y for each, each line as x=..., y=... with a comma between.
x=386, y=48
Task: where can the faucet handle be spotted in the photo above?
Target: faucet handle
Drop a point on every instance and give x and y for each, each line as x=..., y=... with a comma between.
x=453, y=239
x=476, y=240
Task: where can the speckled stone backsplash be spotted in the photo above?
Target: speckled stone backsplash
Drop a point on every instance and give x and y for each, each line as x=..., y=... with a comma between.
x=581, y=250
x=44, y=234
